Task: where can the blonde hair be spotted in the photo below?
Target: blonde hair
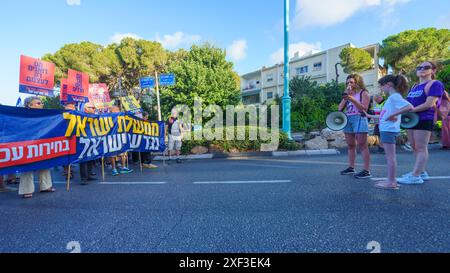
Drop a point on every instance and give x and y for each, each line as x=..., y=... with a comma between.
x=358, y=79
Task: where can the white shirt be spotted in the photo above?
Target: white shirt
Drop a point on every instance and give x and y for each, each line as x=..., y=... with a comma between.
x=394, y=103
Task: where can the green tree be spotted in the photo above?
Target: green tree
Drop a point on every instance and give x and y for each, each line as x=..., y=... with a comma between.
x=311, y=102
x=404, y=51
x=444, y=76
x=355, y=60
x=51, y=102
x=202, y=72
x=129, y=60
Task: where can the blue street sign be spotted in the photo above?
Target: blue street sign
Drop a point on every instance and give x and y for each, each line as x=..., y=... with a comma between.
x=167, y=79
x=147, y=82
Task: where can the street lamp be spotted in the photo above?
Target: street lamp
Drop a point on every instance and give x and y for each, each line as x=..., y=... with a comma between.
x=286, y=97
x=337, y=74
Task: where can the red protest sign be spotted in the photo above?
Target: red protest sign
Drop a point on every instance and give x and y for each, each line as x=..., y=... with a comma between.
x=77, y=86
x=99, y=95
x=36, y=77
x=63, y=91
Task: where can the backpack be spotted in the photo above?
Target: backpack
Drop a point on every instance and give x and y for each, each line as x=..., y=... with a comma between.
x=442, y=106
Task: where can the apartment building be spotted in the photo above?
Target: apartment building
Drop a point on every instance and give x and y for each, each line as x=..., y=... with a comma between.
x=265, y=84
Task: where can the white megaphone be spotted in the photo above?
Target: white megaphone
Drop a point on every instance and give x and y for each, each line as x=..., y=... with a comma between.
x=336, y=121
x=409, y=120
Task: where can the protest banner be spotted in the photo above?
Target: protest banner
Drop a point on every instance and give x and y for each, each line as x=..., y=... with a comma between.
x=37, y=77
x=37, y=139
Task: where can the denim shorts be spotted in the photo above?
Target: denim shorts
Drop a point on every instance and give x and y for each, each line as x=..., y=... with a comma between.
x=357, y=125
x=388, y=137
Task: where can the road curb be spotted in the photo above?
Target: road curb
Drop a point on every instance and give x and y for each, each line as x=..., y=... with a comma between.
x=255, y=154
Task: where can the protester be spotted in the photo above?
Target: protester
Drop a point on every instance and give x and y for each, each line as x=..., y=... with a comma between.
x=69, y=106
x=123, y=157
x=147, y=157
x=378, y=102
x=390, y=119
x=423, y=97
x=26, y=186
x=356, y=101
x=86, y=168
x=174, y=129
x=444, y=114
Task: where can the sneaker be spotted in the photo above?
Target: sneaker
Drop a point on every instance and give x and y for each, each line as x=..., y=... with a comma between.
x=179, y=161
x=149, y=166
x=407, y=147
x=363, y=175
x=411, y=180
x=423, y=175
x=125, y=171
x=115, y=172
x=348, y=171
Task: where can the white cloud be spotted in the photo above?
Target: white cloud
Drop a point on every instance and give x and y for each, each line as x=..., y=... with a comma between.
x=302, y=48
x=118, y=37
x=73, y=2
x=238, y=50
x=330, y=12
x=178, y=39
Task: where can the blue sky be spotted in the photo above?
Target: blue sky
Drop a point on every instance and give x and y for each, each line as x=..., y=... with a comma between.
x=250, y=30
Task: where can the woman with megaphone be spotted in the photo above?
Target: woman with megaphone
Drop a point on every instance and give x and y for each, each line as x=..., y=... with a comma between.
x=355, y=102
x=423, y=96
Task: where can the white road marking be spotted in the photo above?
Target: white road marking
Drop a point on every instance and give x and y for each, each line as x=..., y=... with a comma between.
x=133, y=183
x=244, y=182
x=114, y=183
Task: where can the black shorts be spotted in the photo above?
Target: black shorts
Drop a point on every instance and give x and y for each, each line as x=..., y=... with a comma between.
x=424, y=125
x=376, y=130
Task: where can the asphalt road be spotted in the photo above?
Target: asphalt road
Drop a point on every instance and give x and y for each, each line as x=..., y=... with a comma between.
x=261, y=205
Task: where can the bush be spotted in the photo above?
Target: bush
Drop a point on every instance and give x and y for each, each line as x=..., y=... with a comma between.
x=239, y=145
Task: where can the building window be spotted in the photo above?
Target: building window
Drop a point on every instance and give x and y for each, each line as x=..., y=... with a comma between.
x=270, y=77
x=302, y=70
x=269, y=95
x=317, y=66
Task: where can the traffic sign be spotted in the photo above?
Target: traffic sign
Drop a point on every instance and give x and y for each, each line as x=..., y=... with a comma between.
x=147, y=82
x=167, y=79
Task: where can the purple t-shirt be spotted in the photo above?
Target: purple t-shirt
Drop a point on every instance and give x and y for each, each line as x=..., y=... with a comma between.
x=417, y=97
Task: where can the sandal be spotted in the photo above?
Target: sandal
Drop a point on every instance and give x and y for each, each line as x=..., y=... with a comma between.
x=48, y=190
x=27, y=196
x=386, y=186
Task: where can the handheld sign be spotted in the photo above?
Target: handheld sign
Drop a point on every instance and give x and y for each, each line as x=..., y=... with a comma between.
x=99, y=95
x=130, y=104
x=63, y=91
x=77, y=86
x=36, y=77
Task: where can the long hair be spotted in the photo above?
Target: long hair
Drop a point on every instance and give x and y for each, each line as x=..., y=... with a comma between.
x=358, y=79
x=399, y=82
x=434, y=66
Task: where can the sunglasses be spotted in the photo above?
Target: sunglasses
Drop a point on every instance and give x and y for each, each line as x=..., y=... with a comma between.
x=425, y=67
x=38, y=103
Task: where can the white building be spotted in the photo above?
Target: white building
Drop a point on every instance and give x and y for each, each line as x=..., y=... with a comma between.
x=265, y=84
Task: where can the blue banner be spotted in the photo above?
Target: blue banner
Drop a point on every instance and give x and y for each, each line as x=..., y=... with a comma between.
x=33, y=139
